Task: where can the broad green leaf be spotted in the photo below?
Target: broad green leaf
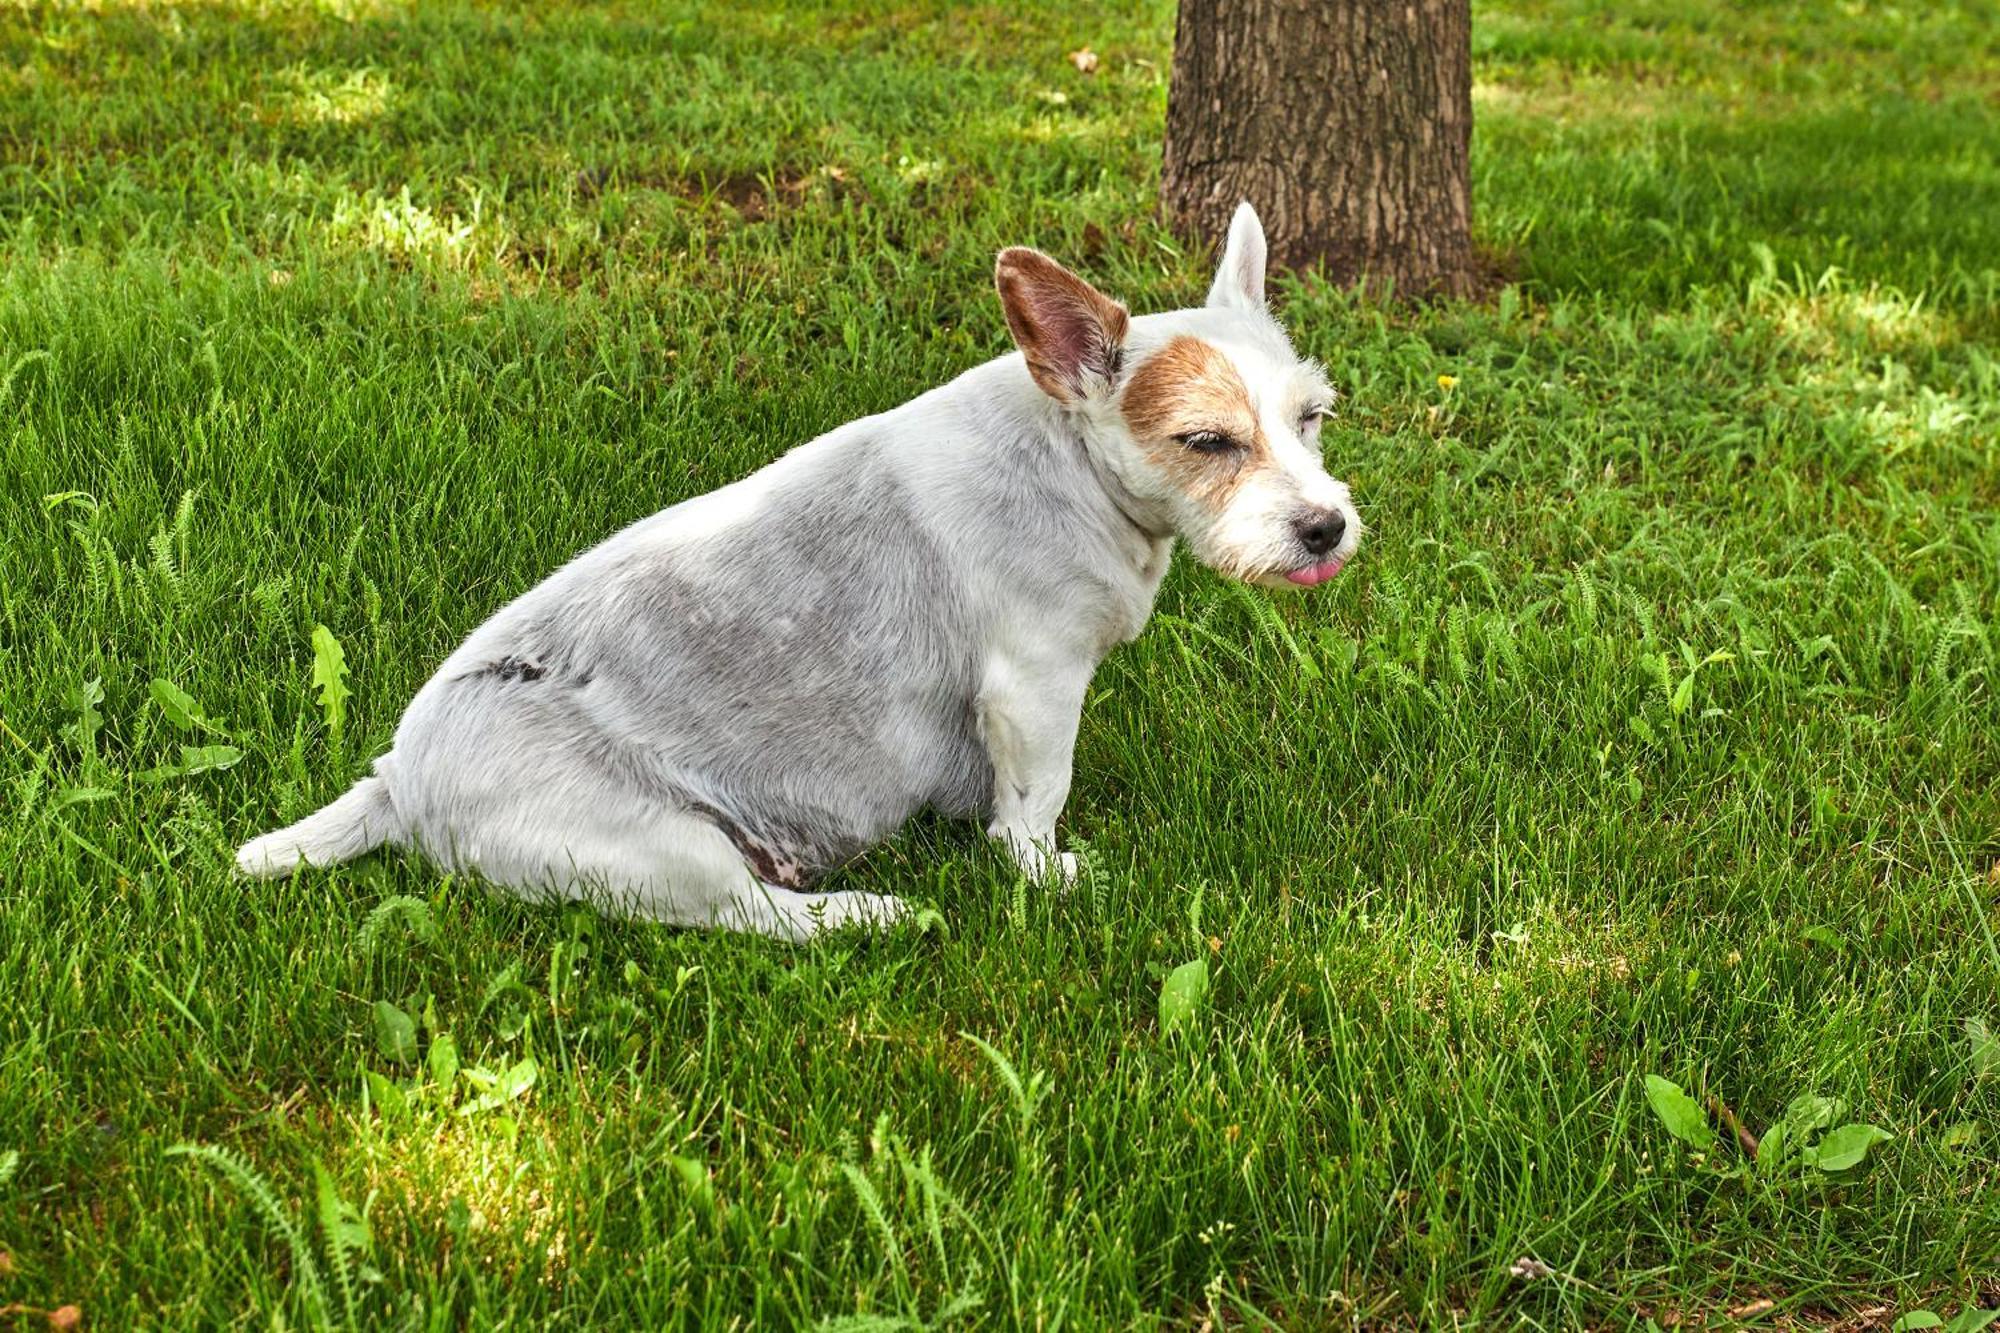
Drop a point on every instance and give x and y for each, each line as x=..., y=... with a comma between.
x=1916, y=1319
x=1338, y=648
x=329, y=677
x=1971, y=1319
x=388, y=1097
x=1985, y=1047
x=179, y=706
x=513, y=1022
x=1963, y=1135
x=499, y=1089
x=1808, y=1113
x=1680, y=1113
x=1181, y=995
x=395, y=1033
x=1683, y=696
x=10, y=1162
x=208, y=758
x=83, y=795
x=1826, y=937
x=1845, y=1147
x=696, y=1180
x=1774, y=1148
x=506, y=993
x=83, y=701
x=443, y=1062
x=516, y=1081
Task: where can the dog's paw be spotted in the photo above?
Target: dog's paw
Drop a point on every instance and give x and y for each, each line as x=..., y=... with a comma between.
x=860, y=909
x=1034, y=859
x=272, y=856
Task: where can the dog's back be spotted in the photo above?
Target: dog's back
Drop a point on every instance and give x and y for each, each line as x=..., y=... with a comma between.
x=789, y=655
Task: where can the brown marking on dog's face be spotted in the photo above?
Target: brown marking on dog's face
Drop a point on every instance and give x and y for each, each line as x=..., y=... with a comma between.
x=1189, y=388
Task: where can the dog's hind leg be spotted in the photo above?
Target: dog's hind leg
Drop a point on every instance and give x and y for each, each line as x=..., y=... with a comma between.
x=788, y=914
x=637, y=859
x=734, y=899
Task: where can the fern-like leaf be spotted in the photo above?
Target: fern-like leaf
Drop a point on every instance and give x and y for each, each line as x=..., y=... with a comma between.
x=263, y=1199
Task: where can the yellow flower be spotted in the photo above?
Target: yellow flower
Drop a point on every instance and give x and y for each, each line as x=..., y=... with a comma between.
x=1447, y=382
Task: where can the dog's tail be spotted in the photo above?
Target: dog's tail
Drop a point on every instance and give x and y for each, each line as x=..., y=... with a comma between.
x=363, y=819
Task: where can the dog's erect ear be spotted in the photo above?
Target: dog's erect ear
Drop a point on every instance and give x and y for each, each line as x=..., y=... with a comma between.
x=1239, y=278
x=1069, y=331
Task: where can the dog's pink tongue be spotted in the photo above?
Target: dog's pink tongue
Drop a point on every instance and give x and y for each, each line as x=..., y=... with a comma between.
x=1314, y=574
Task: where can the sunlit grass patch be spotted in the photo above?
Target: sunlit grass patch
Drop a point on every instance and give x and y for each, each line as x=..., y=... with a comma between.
x=1833, y=317
x=1593, y=100
x=332, y=96
x=496, y=1185
x=397, y=225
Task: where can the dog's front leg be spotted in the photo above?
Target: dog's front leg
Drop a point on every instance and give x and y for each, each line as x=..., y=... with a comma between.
x=1028, y=714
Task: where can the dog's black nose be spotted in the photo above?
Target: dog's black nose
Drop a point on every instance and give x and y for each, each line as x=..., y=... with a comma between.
x=1321, y=532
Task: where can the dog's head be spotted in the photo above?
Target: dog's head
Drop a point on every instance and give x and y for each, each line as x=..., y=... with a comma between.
x=1206, y=417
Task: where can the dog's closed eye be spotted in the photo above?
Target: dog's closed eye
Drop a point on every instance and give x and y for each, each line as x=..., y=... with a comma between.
x=1210, y=442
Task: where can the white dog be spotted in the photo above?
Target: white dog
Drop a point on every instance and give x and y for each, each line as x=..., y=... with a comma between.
x=697, y=718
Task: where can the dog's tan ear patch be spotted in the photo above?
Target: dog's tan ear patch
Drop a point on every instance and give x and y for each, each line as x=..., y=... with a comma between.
x=1068, y=331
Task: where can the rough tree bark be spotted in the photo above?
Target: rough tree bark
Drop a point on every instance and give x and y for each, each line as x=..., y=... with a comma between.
x=1346, y=122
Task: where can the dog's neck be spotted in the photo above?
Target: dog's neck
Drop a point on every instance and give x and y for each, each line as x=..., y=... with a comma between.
x=1150, y=529
x=1145, y=540
x=1114, y=538
x=1145, y=536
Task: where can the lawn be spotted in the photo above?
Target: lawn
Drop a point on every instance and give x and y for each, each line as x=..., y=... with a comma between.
x=1653, y=733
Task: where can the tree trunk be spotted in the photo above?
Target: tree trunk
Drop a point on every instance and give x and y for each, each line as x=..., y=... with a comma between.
x=1347, y=123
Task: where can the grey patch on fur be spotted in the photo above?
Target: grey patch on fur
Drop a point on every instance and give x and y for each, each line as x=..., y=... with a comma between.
x=512, y=669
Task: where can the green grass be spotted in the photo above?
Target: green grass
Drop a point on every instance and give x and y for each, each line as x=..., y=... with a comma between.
x=368, y=314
